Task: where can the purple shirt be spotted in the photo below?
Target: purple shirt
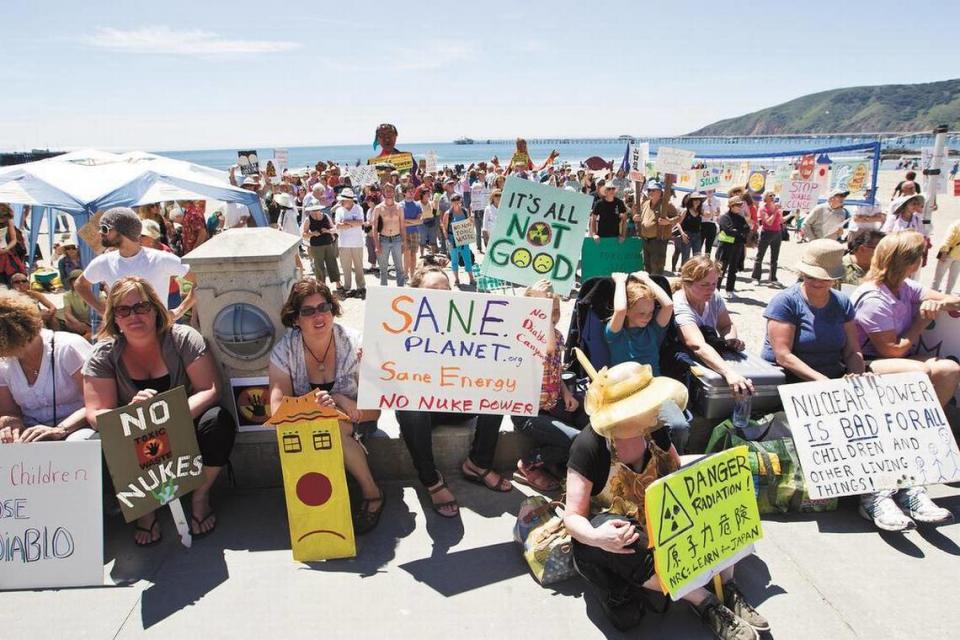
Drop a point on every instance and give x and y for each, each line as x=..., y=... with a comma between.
x=878, y=309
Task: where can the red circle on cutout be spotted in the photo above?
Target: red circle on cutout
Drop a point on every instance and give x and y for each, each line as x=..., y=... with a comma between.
x=314, y=489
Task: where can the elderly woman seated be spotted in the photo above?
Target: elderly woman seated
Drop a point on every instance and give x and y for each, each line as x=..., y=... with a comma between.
x=810, y=328
x=141, y=354
x=41, y=387
x=892, y=310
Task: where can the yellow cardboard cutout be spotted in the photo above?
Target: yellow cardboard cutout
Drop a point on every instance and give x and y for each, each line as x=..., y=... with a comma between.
x=702, y=519
x=314, y=481
x=402, y=161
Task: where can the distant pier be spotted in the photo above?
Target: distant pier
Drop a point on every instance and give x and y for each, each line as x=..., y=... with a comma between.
x=888, y=139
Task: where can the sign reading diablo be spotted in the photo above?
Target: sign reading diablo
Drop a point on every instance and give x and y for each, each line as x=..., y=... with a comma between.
x=152, y=452
x=871, y=433
x=702, y=519
x=538, y=234
x=434, y=350
x=51, y=515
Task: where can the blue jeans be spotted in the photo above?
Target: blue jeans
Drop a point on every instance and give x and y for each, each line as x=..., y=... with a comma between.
x=391, y=247
x=455, y=253
x=676, y=422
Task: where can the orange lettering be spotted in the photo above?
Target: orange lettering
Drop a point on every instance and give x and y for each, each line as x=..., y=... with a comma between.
x=407, y=318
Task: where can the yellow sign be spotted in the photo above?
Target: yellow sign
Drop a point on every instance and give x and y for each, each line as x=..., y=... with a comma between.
x=702, y=519
x=521, y=159
x=402, y=162
x=314, y=481
x=756, y=181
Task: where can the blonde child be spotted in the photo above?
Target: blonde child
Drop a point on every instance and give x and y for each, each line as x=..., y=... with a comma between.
x=948, y=259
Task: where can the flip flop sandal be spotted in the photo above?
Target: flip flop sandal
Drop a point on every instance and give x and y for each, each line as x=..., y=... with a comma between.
x=478, y=478
x=440, y=505
x=539, y=480
x=367, y=520
x=149, y=530
x=199, y=524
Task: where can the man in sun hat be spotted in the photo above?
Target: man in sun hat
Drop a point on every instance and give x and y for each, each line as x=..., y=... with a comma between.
x=349, y=220
x=827, y=219
x=657, y=217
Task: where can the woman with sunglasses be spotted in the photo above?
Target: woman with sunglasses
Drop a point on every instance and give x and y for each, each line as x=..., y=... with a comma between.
x=321, y=356
x=48, y=311
x=142, y=353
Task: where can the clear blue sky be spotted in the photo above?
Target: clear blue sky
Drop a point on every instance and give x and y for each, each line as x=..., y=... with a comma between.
x=199, y=74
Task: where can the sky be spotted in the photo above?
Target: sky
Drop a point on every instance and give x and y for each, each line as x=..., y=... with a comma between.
x=205, y=74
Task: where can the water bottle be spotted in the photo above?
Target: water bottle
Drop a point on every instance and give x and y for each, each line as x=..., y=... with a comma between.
x=741, y=412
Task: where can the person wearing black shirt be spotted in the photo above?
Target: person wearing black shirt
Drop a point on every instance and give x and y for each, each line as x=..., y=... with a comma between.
x=734, y=229
x=609, y=215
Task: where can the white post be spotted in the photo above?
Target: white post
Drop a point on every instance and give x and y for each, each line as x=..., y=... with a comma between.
x=931, y=176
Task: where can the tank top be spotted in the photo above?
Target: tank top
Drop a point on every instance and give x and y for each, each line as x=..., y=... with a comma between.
x=320, y=225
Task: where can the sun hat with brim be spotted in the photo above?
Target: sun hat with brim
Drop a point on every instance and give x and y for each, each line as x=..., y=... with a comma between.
x=696, y=195
x=735, y=201
x=822, y=259
x=347, y=194
x=151, y=229
x=284, y=200
x=838, y=192
x=654, y=186
x=314, y=207
x=897, y=205
x=250, y=181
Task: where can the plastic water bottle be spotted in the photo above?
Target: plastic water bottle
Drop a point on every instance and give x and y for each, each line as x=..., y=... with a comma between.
x=741, y=412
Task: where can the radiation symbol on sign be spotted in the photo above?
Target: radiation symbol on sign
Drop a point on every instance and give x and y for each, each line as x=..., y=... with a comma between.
x=674, y=519
x=521, y=258
x=543, y=263
x=539, y=234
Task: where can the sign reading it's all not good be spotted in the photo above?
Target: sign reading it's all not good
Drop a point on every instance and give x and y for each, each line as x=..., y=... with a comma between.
x=152, y=452
x=51, y=515
x=439, y=350
x=538, y=234
x=870, y=433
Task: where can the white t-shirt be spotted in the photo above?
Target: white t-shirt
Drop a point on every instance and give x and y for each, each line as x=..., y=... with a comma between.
x=350, y=237
x=685, y=314
x=489, y=218
x=36, y=401
x=156, y=267
x=864, y=210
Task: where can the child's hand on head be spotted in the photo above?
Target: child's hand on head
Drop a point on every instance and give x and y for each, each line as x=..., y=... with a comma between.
x=618, y=276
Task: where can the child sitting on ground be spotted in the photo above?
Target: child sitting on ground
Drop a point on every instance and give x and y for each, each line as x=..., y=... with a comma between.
x=641, y=314
x=560, y=418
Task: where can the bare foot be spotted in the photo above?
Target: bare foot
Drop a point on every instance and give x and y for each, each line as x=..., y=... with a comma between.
x=147, y=530
x=203, y=519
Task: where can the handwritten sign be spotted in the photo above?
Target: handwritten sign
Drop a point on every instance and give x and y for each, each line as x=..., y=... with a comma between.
x=249, y=164
x=431, y=162
x=51, y=515
x=152, y=452
x=362, y=175
x=538, y=234
x=433, y=350
x=702, y=519
x=464, y=232
x=708, y=178
x=609, y=255
x=941, y=339
x=799, y=195
x=868, y=434
x=639, y=156
x=479, y=197
x=850, y=175
x=280, y=159
x=90, y=233
x=675, y=161
x=402, y=162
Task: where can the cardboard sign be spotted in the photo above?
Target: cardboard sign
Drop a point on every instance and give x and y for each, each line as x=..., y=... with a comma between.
x=479, y=197
x=799, y=195
x=249, y=164
x=707, y=179
x=362, y=175
x=610, y=255
x=639, y=156
x=431, y=162
x=538, y=234
x=251, y=398
x=702, y=519
x=152, y=452
x=90, y=233
x=437, y=350
x=402, y=162
x=51, y=515
x=464, y=232
x=314, y=482
x=280, y=160
x=850, y=175
x=676, y=161
x=871, y=433
x=757, y=181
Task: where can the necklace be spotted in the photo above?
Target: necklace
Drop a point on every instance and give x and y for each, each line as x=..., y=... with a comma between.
x=320, y=361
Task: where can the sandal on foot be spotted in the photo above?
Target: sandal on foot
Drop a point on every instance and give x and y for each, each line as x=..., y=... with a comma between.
x=367, y=520
x=199, y=534
x=149, y=530
x=535, y=477
x=437, y=506
x=480, y=478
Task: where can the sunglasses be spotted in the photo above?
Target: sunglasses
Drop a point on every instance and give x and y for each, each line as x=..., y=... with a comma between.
x=105, y=229
x=16, y=282
x=323, y=307
x=124, y=310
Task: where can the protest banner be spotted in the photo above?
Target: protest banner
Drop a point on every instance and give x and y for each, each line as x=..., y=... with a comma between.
x=757, y=181
x=676, y=161
x=870, y=433
x=90, y=233
x=702, y=519
x=440, y=350
x=609, y=255
x=639, y=157
x=362, y=175
x=538, y=234
x=249, y=164
x=464, y=232
x=152, y=452
x=799, y=195
x=51, y=515
x=314, y=481
x=708, y=178
x=251, y=399
x=431, y=162
x=850, y=175
x=402, y=162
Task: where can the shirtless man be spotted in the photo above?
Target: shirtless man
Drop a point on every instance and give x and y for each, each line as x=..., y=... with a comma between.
x=390, y=239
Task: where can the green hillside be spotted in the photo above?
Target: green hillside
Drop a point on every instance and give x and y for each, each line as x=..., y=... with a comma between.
x=892, y=107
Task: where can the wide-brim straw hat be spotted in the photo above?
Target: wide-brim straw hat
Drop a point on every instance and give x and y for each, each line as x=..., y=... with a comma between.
x=822, y=259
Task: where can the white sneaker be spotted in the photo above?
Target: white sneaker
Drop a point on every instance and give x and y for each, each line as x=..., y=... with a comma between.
x=918, y=505
x=884, y=512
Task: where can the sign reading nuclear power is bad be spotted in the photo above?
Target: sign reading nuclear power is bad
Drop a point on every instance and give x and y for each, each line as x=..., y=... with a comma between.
x=538, y=234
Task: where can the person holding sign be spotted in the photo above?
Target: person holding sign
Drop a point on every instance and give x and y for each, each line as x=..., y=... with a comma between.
x=657, y=218
x=457, y=252
x=140, y=354
x=41, y=387
x=319, y=355
x=608, y=219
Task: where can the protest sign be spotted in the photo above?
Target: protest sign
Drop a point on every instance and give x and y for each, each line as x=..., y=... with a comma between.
x=90, y=233
x=402, y=162
x=479, y=197
x=51, y=515
x=464, y=232
x=639, y=156
x=870, y=433
x=314, y=481
x=440, y=350
x=538, y=234
x=152, y=452
x=610, y=255
x=756, y=181
x=850, y=175
x=941, y=339
x=251, y=398
x=708, y=178
x=799, y=195
x=362, y=175
x=702, y=519
x=249, y=164
x=676, y=161
x=431, y=163
x=280, y=160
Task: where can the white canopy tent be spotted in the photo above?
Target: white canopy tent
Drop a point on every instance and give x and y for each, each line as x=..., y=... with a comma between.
x=84, y=182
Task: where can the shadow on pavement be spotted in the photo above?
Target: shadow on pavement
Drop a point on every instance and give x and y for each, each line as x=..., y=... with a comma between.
x=455, y=573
